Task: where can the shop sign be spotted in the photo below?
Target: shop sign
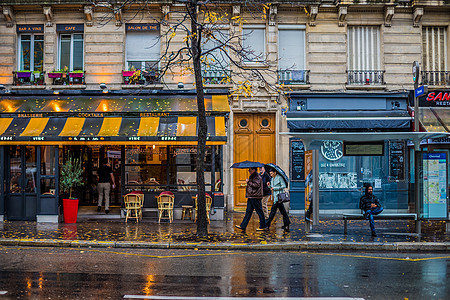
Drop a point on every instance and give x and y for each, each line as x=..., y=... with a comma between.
x=297, y=160
x=142, y=27
x=70, y=27
x=435, y=98
x=29, y=28
x=443, y=140
x=38, y=138
x=6, y=138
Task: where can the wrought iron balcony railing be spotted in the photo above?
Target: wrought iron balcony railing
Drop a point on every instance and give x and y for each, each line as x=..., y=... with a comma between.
x=293, y=76
x=211, y=76
x=23, y=78
x=365, y=77
x=435, y=77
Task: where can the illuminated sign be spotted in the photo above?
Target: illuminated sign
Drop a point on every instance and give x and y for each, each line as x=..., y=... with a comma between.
x=435, y=98
x=29, y=28
x=70, y=27
x=142, y=27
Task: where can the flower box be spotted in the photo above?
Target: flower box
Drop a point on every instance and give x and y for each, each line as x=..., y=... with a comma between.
x=54, y=75
x=76, y=74
x=128, y=73
x=23, y=74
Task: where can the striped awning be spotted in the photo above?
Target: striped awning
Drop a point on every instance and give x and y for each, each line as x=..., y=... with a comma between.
x=120, y=130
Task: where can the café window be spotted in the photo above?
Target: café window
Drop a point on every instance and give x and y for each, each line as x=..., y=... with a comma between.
x=31, y=52
x=71, y=48
x=158, y=168
x=142, y=50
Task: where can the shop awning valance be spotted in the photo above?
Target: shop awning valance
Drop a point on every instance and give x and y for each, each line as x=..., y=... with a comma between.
x=110, y=105
x=120, y=130
x=345, y=120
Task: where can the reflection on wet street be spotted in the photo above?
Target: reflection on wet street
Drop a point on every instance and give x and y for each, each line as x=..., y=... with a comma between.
x=83, y=273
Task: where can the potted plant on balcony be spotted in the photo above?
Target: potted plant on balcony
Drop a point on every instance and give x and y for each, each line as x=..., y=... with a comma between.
x=130, y=72
x=23, y=74
x=76, y=74
x=58, y=73
x=71, y=177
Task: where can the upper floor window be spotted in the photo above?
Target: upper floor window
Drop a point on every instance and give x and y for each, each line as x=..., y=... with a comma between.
x=434, y=48
x=71, y=51
x=254, y=43
x=364, y=48
x=291, y=54
x=143, y=50
x=364, y=62
x=31, y=52
x=215, y=61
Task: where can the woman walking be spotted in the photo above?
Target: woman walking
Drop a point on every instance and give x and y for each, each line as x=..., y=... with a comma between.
x=277, y=185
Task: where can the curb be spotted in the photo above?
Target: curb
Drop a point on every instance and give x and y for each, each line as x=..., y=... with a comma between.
x=290, y=246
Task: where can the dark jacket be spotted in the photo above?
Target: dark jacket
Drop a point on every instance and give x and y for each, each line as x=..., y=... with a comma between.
x=366, y=200
x=254, y=186
x=265, y=179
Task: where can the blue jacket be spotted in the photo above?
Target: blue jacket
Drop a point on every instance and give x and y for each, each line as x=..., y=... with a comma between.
x=278, y=185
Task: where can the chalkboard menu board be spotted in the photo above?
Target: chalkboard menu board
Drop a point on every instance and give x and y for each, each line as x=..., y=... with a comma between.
x=297, y=160
x=397, y=160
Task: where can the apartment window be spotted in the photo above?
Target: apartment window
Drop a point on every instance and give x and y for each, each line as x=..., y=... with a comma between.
x=143, y=50
x=364, y=48
x=254, y=43
x=434, y=50
x=31, y=52
x=291, y=54
x=71, y=51
x=217, y=57
x=364, y=62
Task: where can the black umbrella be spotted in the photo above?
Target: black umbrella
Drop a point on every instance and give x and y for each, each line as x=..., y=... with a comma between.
x=247, y=164
x=279, y=171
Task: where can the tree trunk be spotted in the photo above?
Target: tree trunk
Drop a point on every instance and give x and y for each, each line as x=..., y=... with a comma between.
x=202, y=225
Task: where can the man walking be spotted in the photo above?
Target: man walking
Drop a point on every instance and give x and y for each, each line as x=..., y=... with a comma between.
x=267, y=192
x=105, y=176
x=254, y=193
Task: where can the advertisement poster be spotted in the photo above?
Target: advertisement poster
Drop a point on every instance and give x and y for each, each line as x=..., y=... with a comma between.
x=435, y=186
x=309, y=186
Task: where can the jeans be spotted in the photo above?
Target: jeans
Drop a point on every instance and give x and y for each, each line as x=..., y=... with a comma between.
x=253, y=204
x=370, y=213
x=103, y=187
x=273, y=211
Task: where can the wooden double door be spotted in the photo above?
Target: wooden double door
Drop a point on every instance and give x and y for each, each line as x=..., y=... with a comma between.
x=254, y=140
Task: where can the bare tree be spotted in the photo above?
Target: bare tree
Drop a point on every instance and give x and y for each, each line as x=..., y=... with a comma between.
x=206, y=47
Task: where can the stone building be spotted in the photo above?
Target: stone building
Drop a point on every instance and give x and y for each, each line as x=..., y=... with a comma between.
x=345, y=67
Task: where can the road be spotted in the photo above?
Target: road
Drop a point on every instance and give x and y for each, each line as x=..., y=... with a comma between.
x=88, y=273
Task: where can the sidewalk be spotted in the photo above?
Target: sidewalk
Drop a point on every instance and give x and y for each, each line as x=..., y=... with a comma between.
x=100, y=230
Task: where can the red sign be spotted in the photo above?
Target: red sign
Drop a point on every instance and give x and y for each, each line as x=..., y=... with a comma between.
x=435, y=98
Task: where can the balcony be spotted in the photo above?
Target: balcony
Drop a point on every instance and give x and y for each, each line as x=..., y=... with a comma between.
x=216, y=76
x=360, y=78
x=28, y=78
x=141, y=77
x=435, y=77
x=293, y=76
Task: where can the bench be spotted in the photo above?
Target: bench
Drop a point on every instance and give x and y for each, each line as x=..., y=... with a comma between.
x=402, y=216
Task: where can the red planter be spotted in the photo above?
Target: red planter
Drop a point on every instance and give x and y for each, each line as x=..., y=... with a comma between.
x=128, y=73
x=54, y=75
x=76, y=75
x=70, y=208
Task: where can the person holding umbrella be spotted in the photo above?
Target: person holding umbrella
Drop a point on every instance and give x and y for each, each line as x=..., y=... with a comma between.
x=254, y=193
x=277, y=185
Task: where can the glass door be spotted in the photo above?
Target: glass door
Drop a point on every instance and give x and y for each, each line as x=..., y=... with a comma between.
x=21, y=194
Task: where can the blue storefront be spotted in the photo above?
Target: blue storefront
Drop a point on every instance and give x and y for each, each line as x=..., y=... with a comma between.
x=343, y=129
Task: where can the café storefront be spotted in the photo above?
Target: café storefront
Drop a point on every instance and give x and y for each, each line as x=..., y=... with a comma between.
x=149, y=141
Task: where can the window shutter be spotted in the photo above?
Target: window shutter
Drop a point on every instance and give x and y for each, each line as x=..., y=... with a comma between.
x=363, y=48
x=142, y=46
x=434, y=48
x=254, y=40
x=291, y=50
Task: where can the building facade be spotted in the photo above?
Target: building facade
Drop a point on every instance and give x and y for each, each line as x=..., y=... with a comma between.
x=339, y=66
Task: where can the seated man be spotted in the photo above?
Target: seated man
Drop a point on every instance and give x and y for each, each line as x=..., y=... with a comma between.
x=371, y=206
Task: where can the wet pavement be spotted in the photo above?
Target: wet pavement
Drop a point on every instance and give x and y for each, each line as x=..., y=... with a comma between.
x=102, y=230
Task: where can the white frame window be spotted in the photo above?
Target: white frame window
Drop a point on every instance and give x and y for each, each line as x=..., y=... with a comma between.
x=216, y=59
x=143, y=50
x=71, y=51
x=254, y=43
x=291, y=47
x=363, y=48
x=35, y=41
x=434, y=48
